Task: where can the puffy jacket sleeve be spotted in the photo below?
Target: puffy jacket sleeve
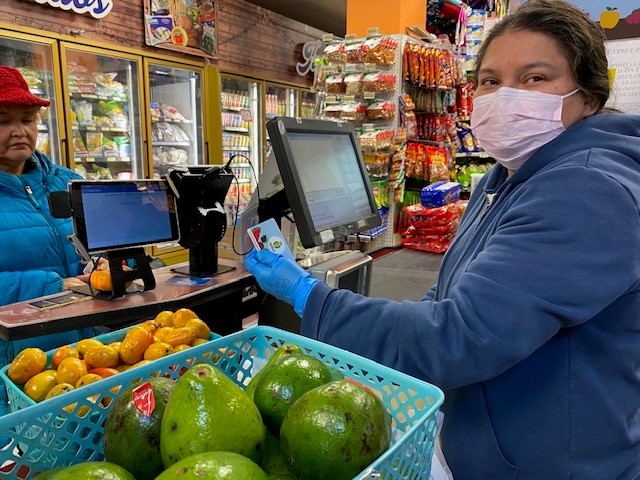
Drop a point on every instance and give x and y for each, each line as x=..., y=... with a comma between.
x=20, y=286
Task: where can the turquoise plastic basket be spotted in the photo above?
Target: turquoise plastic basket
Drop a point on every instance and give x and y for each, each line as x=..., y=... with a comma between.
x=47, y=435
x=17, y=398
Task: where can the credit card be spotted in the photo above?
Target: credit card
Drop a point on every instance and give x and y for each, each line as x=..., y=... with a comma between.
x=267, y=235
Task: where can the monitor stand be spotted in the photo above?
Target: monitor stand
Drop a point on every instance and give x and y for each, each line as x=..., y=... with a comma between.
x=203, y=262
x=121, y=277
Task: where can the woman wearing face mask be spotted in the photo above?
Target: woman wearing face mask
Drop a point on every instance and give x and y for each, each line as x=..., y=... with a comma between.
x=533, y=329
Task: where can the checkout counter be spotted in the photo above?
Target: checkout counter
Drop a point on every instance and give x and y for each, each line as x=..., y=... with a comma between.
x=218, y=302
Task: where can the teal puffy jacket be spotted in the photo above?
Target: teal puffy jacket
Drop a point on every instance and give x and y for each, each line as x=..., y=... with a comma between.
x=35, y=254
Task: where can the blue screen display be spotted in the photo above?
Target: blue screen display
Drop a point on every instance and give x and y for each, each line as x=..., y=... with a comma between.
x=116, y=215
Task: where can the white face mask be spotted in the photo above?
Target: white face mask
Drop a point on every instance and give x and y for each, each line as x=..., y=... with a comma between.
x=512, y=124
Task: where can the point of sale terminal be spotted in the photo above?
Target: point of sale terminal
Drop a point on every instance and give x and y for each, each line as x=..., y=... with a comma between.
x=315, y=173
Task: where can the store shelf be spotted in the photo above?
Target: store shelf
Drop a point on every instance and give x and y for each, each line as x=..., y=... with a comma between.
x=100, y=158
x=235, y=109
x=169, y=120
x=93, y=128
x=236, y=129
x=472, y=155
x=236, y=149
x=93, y=96
x=171, y=144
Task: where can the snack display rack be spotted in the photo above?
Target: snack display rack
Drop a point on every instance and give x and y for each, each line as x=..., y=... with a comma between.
x=364, y=82
x=68, y=429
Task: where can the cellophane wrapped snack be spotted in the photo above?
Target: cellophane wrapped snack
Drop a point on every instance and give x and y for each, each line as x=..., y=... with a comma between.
x=432, y=229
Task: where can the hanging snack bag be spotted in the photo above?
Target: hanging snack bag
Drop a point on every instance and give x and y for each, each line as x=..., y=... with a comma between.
x=381, y=110
x=356, y=52
x=353, y=84
x=335, y=84
x=335, y=52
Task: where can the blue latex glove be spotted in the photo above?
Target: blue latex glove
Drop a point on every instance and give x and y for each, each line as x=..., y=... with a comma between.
x=281, y=277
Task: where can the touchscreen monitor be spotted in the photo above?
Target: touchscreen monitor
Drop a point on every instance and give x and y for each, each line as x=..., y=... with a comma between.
x=115, y=214
x=324, y=177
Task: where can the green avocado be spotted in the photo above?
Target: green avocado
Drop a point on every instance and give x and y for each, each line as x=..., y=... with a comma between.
x=93, y=471
x=274, y=462
x=285, y=349
x=208, y=412
x=288, y=378
x=335, y=431
x=131, y=438
x=214, y=466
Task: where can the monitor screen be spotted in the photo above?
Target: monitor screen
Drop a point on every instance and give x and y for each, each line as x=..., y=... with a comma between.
x=110, y=215
x=324, y=177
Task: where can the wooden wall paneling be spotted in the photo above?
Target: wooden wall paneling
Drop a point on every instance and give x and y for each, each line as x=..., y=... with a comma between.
x=251, y=40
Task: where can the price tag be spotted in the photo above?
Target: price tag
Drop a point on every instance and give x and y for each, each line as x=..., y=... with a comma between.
x=369, y=95
x=327, y=37
x=326, y=236
x=143, y=399
x=372, y=32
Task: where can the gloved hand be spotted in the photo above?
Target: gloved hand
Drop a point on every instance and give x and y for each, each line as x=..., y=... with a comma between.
x=281, y=277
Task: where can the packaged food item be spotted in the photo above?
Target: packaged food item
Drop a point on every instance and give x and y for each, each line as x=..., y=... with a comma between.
x=333, y=110
x=94, y=142
x=353, y=84
x=440, y=193
x=356, y=52
x=353, y=112
x=335, y=84
x=381, y=50
x=78, y=143
x=426, y=217
x=43, y=143
x=171, y=113
x=83, y=111
x=379, y=82
x=335, y=52
x=381, y=110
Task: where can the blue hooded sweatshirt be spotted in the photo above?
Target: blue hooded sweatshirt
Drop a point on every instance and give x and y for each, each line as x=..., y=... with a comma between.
x=35, y=254
x=533, y=329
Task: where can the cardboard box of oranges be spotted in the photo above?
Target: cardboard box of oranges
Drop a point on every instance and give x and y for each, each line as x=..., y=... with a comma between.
x=35, y=375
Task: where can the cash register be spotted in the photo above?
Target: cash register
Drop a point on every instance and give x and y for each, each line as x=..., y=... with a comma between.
x=316, y=178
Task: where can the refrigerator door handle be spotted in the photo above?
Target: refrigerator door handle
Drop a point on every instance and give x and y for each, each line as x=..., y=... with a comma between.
x=64, y=153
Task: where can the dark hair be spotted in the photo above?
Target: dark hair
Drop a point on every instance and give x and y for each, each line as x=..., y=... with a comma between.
x=579, y=38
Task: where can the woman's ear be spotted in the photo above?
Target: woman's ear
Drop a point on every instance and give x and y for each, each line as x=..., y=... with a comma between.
x=591, y=104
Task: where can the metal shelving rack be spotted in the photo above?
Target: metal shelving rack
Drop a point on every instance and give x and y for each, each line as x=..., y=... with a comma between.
x=381, y=237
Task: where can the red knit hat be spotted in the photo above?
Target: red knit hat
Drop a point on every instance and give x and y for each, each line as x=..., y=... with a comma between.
x=14, y=90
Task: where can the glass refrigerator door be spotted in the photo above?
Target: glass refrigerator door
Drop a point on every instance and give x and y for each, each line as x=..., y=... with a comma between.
x=104, y=96
x=176, y=117
x=308, y=101
x=35, y=62
x=281, y=101
x=241, y=139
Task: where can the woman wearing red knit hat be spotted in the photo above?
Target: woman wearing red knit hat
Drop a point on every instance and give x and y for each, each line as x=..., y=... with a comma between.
x=36, y=258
